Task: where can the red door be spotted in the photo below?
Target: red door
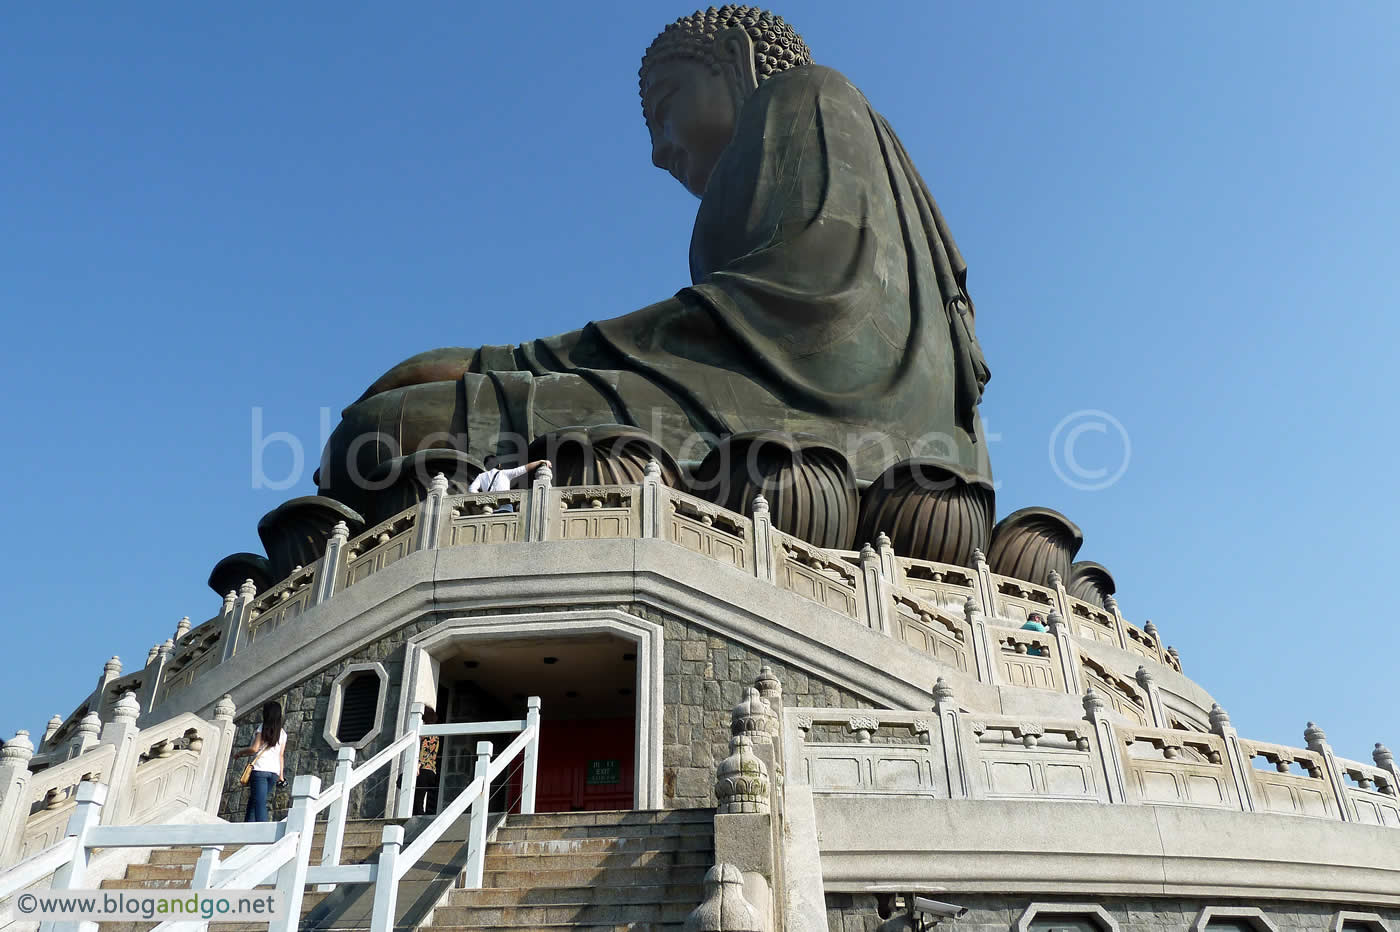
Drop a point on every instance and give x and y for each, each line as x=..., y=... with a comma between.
x=586, y=764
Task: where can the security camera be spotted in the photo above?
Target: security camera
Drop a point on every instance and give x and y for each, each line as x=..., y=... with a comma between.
x=938, y=908
x=915, y=913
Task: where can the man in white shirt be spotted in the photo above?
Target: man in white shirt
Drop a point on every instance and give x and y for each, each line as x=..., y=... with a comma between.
x=495, y=479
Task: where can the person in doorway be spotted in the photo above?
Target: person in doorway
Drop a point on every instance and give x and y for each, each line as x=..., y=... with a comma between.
x=1035, y=623
x=496, y=479
x=429, y=753
x=269, y=751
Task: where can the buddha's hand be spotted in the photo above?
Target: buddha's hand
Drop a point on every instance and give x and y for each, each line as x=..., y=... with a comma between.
x=446, y=364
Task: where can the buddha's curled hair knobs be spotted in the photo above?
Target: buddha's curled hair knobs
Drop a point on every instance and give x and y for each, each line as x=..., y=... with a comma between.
x=777, y=47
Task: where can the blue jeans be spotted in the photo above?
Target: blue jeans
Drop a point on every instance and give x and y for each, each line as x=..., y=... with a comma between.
x=259, y=789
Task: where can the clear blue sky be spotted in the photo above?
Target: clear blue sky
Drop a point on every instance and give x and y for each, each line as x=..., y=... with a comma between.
x=1183, y=215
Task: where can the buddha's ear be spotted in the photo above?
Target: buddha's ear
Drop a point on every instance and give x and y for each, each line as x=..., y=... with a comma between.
x=734, y=49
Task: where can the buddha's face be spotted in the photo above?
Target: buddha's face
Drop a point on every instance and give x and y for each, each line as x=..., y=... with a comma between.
x=690, y=111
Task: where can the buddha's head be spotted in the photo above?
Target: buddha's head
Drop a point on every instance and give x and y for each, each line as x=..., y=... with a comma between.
x=696, y=76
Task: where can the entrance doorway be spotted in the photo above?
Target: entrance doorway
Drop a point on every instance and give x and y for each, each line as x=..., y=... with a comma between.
x=588, y=726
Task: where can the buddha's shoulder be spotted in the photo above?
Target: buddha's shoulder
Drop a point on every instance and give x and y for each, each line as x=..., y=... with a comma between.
x=812, y=79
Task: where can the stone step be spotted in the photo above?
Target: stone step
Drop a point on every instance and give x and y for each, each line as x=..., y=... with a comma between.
x=607, y=876
x=595, y=859
x=574, y=896
x=483, y=917
x=513, y=831
x=602, y=844
x=612, y=817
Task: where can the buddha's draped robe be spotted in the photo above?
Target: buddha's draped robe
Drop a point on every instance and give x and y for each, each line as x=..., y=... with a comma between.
x=828, y=299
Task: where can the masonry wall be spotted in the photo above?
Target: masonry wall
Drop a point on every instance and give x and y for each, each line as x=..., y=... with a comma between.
x=852, y=913
x=704, y=678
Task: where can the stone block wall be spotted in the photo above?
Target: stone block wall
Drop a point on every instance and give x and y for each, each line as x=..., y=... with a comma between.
x=704, y=677
x=855, y=913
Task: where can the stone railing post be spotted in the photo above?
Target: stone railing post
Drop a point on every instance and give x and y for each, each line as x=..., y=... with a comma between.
x=1171, y=652
x=763, y=565
x=983, y=655
x=876, y=589
x=1106, y=739
x=224, y=710
x=950, y=730
x=1234, y=757
x=430, y=512
x=653, y=503
x=1156, y=636
x=986, y=589
x=744, y=815
x=1120, y=627
x=1316, y=740
x=85, y=736
x=1386, y=761
x=1155, y=709
x=14, y=794
x=408, y=762
x=889, y=568
x=332, y=561
x=151, y=685
x=1057, y=583
x=237, y=624
x=724, y=908
x=538, y=514
x=1067, y=651
x=111, y=671
x=121, y=732
x=51, y=729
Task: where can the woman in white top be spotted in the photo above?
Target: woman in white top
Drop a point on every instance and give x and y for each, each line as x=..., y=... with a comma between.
x=268, y=751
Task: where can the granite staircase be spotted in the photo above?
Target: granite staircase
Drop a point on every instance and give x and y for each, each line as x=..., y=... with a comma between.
x=173, y=868
x=589, y=871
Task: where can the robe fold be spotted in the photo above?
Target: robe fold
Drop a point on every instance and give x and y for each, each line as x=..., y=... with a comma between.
x=828, y=299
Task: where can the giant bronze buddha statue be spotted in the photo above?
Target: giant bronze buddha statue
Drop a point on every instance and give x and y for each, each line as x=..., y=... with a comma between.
x=827, y=301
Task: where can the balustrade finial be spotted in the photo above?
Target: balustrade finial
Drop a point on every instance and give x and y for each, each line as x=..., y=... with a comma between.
x=340, y=532
x=112, y=668
x=1110, y=603
x=167, y=648
x=867, y=552
x=1150, y=628
x=224, y=708
x=54, y=725
x=768, y=684
x=1382, y=756
x=971, y=610
x=1143, y=676
x=1093, y=704
x=19, y=749
x=1171, y=652
x=882, y=541
x=229, y=598
x=545, y=474
x=152, y=654
x=1219, y=718
x=249, y=589
x=90, y=726
x=182, y=627
x=1055, y=580
x=1054, y=622
x=439, y=484
x=653, y=471
x=1314, y=736
x=127, y=708
x=760, y=505
x=978, y=557
x=942, y=692
x=724, y=908
x=741, y=780
x=754, y=718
